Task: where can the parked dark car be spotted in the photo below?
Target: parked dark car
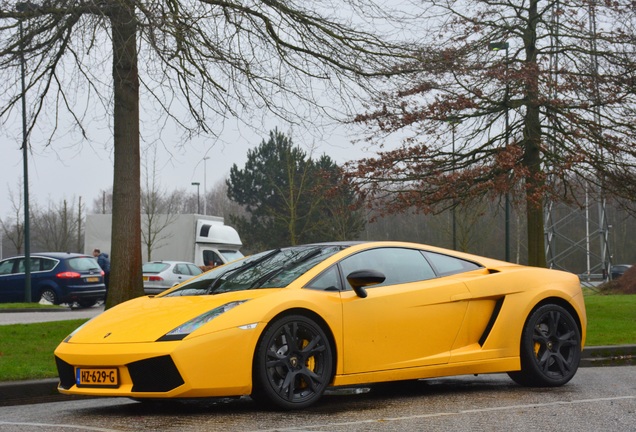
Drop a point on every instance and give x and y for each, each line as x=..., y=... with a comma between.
x=56, y=277
x=618, y=270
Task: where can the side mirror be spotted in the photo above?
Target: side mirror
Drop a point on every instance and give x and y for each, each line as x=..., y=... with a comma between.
x=363, y=278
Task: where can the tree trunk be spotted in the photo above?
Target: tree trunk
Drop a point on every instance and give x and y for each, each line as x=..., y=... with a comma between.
x=536, y=242
x=534, y=187
x=531, y=145
x=125, y=278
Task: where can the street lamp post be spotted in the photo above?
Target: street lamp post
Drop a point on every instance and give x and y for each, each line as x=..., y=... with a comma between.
x=197, y=184
x=498, y=46
x=205, y=185
x=24, y=7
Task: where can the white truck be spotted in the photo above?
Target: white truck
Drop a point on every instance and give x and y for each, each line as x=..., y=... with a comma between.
x=202, y=240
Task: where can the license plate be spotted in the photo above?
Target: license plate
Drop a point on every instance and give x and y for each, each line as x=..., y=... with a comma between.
x=97, y=377
x=92, y=279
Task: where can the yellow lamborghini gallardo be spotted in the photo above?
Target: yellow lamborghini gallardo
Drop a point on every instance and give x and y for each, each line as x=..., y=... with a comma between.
x=283, y=325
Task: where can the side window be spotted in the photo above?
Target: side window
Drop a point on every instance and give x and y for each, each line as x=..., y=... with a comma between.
x=35, y=264
x=399, y=265
x=6, y=267
x=327, y=280
x=47, y=264
x=447, y=265
x=194, y=270
x=180, y=269
x=210, y=258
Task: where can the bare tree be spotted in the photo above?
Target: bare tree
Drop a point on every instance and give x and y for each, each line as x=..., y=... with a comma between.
x=219, y=204
x=12, y=227
x=213, y=58
x=79, y=247
x=56, y=228
x=103, y=204
x=159, y=209
x=545, y=95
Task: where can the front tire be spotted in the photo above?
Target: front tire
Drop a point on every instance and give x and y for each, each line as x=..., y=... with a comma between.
x=293, y=364
x=550, y=348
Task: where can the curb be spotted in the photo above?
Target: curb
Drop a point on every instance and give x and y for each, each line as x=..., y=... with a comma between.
x=41, y=391
x=30, y=392
x=616, y=355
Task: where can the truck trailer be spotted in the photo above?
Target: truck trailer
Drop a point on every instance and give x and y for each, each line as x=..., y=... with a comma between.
x=203, y=240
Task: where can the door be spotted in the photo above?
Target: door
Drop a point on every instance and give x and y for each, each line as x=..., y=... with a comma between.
x=411, y=319
x=11, y=281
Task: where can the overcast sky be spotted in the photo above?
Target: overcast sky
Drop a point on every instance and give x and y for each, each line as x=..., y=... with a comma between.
x=73, y=167
x=58, y=171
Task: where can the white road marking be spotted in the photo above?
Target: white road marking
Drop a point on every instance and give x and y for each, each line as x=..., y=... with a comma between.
x=446, y=414
x=64, y=427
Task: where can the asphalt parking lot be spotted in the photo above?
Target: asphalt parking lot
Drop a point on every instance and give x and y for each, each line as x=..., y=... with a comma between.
x=597, y=399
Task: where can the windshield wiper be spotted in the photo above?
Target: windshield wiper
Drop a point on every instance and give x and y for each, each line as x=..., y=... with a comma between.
x=218, y=282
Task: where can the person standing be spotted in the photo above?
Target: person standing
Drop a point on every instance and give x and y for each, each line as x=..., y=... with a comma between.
x=104, y=263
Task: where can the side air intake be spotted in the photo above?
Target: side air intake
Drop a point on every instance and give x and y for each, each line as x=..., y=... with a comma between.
x=491, y=321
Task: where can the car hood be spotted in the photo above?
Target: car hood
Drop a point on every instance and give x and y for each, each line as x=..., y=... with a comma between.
x=146, y=319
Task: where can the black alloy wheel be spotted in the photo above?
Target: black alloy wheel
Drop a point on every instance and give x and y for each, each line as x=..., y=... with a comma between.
x=293, y=364
x=550, y=348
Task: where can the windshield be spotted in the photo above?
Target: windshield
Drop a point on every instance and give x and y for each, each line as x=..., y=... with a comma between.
x=83, y=264
x=271, y=269
x=231, y=255
x=154, y=267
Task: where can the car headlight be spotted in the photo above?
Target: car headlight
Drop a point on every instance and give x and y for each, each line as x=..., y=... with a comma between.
x=188, y=327
x=74, y=332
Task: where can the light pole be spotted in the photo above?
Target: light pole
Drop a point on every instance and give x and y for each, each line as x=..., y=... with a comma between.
x=24, y=7
x=197, y=184
x=498, y=46
x=205, y=185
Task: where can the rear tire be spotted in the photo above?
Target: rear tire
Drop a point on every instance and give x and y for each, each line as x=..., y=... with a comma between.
x=48, y=295
x=293, y=364
x=550, y=348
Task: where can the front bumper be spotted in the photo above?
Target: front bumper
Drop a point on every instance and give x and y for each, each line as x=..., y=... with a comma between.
x=213, y=365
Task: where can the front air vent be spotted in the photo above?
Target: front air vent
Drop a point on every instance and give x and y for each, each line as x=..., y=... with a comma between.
x=157, y=374
x=66, y=373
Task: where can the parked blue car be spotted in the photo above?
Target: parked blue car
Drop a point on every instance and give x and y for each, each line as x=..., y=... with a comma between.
x=56, y=277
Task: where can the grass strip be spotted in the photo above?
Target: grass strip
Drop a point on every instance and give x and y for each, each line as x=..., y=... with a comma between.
x=9, y=306
x=611, y=319
x=26, y=350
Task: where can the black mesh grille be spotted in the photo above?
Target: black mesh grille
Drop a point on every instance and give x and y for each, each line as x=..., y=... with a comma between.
x=66, y=373
x=158, y=374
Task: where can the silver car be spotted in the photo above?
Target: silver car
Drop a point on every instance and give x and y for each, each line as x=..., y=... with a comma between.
x=161, y=275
